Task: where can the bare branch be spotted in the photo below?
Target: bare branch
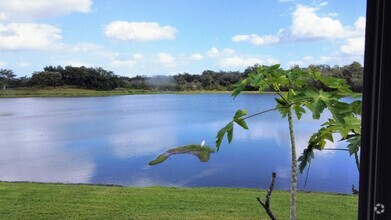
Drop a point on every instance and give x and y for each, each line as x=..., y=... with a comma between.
x=266, y=205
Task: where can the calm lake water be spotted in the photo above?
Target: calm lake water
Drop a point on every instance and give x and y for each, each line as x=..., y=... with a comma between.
x=110, y=140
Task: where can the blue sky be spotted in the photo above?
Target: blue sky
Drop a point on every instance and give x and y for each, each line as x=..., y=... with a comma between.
x=150, y=37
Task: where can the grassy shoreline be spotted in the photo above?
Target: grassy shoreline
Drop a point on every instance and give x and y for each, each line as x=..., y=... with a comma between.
x=23, y=200
x=76, y=92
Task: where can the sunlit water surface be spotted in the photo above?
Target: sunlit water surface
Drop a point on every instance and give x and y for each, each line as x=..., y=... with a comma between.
x=110, y=140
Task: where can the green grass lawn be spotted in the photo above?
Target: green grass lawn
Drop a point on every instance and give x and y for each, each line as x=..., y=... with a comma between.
x=60, y=201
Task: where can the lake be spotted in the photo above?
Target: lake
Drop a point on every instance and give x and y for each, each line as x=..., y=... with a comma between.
x=110, y=140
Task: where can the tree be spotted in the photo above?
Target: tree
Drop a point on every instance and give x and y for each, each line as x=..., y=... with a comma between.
x=299, y=96
x=46, y=78
x=353, y=74
x=6, y=76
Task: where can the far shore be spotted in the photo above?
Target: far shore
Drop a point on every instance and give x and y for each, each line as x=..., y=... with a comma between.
x=76, y=92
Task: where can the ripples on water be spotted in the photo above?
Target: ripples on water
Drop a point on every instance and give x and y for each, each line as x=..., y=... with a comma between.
x=110, y=140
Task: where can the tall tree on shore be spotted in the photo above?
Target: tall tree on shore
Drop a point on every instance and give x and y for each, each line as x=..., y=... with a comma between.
x=6, y=76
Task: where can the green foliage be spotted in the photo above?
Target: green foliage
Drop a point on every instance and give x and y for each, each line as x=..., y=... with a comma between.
x=6, y=76
x=160, y=159
x=203, y=153
x=347, y=124
x=81, y=77
x=298, y=89
x=229, y=128
x=100, y=79
x=354, y=143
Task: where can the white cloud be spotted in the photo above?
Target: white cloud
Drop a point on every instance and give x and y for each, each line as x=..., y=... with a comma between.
x=196, y=56
x=213, y=52
x=237, y=61
x=74, y=63
x=245, y=61
x=295, y=62
x=139, y=31
x=333, y=14
x=20, y=36
x=138, y=56
x=126, y=62
x=306, y=24
x=123, y=63
x=303, y=62
x=166, y=59
x=256, y=39
x=227, y=51
x=22, y=9
x=229, y=58
x=359, y=26
x=323, y=4
x=354, y=46
x=238, y=38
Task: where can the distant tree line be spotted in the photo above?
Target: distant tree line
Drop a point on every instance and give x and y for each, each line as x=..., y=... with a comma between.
x=101, y=79
x=81, y=77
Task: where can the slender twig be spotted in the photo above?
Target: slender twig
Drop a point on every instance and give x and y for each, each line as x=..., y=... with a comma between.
x=266, y=205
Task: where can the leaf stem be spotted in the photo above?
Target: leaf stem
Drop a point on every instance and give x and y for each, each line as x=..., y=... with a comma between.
x=259, y=113
x=342, y=149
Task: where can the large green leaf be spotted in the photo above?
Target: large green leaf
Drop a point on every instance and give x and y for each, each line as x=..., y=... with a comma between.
x=239, y=120
x=239, y=86
x=230, y=134
x=299, y=111
x=240, y=113
x=317, y=101
x=283, y=110
x=229, y=128
x=305, y=159
x=348, y=125
x=317, y=141
x=274, y=67
x=354, y=144
x=356, y=107
x=242, y=123
x=221, y=134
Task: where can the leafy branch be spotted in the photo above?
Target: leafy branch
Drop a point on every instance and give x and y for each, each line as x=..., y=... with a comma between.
x=298, y=94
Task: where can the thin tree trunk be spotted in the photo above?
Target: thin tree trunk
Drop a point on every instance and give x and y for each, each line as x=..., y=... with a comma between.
x=294, y=166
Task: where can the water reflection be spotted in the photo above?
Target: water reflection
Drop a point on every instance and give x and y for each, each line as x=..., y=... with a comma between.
x=112, y=139
x=31, y=150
